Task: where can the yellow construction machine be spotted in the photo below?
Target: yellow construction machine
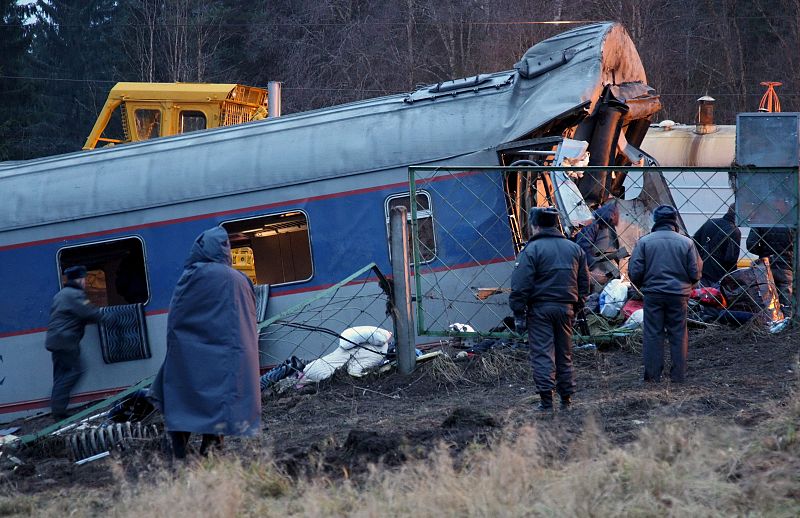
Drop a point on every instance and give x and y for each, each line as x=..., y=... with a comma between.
x=150, y=110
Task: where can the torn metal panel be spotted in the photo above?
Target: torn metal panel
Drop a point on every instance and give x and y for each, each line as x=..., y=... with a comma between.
x=642, y=100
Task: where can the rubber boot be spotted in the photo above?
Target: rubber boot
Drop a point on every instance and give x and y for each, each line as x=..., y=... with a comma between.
x=545, y=402
x=566, y=402
x=209, y=442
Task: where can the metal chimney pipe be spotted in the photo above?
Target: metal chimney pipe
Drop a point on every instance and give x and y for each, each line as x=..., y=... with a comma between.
x=273, y=99
x=705, y=116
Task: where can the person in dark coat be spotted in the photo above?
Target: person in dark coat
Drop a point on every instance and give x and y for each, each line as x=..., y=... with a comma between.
x=69, y=314
x=550, y=281
x=778, y=245
x=665, y=266
x=718, y=242
x=600, y=243
x=209, y=382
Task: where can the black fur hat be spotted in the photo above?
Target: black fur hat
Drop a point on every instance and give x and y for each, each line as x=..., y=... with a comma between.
x=546, y=217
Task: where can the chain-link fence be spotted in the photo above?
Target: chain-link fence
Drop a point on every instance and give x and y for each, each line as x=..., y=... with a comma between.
x=347, y=325
x=468, y=224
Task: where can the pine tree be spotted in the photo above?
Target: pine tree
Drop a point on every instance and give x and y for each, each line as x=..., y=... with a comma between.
x=15, y=92
x=75, y=44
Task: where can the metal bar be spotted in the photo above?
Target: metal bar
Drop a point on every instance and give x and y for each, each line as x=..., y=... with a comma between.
x=412, y=181
x=93, y=458
x=676, y=169
x=401, y=311
x=796, y=261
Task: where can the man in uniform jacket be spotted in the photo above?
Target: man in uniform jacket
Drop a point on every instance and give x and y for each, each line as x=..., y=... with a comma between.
x=209, y=382
x=718, y=242
x=778, y=244
x=69, y=314
x=665, y=266
x=550, y=280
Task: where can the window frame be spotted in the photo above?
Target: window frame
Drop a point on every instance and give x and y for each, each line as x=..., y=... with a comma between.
x=161, y=120
x=190, y=111
x=420, y=214
x=308, y=231
x=137, y=237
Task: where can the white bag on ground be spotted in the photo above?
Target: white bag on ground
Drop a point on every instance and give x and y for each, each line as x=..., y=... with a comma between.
x=360, y=348
x=613, y=298
x=635, y=320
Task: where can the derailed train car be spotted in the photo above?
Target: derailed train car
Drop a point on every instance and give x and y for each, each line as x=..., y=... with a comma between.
x=307, y=193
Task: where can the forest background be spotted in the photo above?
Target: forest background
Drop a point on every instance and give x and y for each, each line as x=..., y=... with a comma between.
x=59, y=59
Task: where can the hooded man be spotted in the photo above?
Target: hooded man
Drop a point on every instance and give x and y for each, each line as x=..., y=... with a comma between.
x=600, y=243
x=69, y=314
x=550, y=280
x=718, y=242
x=665, y=266
x=209, y=382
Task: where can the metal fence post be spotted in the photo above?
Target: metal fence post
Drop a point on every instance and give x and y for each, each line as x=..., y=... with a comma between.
x=401, y=303
x=795, y=299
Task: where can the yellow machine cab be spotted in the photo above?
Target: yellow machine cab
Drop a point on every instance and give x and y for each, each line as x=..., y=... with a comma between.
x=150, y=110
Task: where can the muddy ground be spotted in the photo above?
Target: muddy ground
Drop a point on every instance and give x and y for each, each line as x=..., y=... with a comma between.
x=339, y=427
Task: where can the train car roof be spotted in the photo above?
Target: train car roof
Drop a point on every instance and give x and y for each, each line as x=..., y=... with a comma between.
x=558, y=76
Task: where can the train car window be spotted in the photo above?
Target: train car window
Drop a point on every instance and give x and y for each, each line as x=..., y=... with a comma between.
x=148, y=123
x=274, y=249
x=192, y=121
x=427, y=238
x=117, y=273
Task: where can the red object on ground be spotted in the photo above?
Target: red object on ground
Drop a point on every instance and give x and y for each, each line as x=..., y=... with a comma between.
x=630, y=307
x=709, y=297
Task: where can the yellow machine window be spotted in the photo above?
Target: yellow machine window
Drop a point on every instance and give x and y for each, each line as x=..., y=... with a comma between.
x=148, y=124
x=116, y=270
x=192, y=121
x=273, y=249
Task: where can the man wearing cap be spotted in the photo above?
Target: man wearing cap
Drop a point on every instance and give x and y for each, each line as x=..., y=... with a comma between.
x=550, y=280
x=69, y=314
x=665, y=266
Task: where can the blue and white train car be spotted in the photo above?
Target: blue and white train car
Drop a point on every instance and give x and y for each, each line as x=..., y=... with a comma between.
x=308, y=193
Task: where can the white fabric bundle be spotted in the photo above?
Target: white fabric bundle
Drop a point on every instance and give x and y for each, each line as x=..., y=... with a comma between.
x=360, y=348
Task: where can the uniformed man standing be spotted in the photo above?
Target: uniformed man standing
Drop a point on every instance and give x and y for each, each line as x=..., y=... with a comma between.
x=665, y=266
x=69, y=314
x=550, y=281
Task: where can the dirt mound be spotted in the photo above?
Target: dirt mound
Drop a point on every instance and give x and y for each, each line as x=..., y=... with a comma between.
x=365, y=446
x=469, y=418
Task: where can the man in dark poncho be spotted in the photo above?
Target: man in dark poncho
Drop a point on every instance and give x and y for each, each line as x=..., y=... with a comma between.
x=209, y=382
x=718, y=242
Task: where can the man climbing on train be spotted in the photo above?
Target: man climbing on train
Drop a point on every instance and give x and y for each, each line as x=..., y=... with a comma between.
x=69, y=314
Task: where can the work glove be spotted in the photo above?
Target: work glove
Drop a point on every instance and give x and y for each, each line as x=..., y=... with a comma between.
x=520, y=325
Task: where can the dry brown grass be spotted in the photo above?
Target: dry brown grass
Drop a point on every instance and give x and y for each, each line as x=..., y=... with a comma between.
x=675, y=468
